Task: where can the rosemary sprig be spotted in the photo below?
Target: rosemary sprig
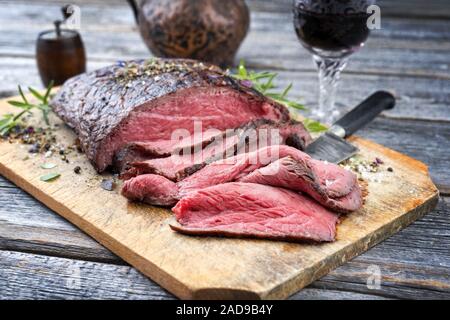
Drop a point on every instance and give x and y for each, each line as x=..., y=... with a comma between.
x=10, y=120
x=264, y=83
x=314, y=126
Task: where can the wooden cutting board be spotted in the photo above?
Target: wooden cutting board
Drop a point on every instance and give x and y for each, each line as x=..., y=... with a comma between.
x=218, y=268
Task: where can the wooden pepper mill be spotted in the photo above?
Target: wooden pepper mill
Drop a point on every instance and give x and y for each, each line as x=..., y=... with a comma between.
x=60, y=54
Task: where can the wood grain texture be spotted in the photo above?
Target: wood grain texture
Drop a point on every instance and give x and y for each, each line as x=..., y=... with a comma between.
x=404, y=268
x=405, y=271
x=407, y=56
x=428, y=141
x=224, y=268
x=34, y=277
x=417, y=98
x=41, y=277
x=402, y=46
x=424, y=246
x=399, y=8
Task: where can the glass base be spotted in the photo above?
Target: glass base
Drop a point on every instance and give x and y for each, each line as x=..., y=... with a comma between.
x=326, y=117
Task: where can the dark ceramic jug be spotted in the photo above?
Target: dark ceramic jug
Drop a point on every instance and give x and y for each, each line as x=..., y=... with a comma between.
x=207, y=30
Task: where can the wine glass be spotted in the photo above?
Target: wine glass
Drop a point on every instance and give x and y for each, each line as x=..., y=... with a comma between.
x=331, y=30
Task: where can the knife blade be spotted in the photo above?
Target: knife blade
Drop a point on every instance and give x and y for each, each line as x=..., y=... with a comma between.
x=332, y=146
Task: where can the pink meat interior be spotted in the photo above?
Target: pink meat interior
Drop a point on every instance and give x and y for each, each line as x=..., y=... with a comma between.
x=254, y=209
x=218, y=108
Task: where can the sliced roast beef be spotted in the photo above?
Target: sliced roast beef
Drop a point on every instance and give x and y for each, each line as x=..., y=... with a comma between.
x=254, y=210
x=182, y=164
x=151, y=189
x=300, y=176
x=233, y=168
x=136, y=152
x=257, y=134
x=146, y=101
x=331, y=185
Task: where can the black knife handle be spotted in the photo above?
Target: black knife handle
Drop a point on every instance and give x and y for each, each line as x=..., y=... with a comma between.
x=366, y=111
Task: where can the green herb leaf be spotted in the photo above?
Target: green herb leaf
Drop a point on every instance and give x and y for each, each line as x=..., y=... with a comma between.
x=48, y=165
x=314, y=126
x=241, y=69
x=286, y=91
x=296, y=105
x=47, y=93
x=6, y=118
x=9, y=121
x=5, y=129
x=50, y=177
x=22, y=95
x=18, y=104
x=36, y=94
x=264, y=82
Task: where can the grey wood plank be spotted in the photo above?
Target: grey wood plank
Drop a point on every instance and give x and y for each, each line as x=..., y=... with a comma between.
x=397, y=282
x=402, y=46
x=425, y=141
x=401, y=8
x=399, y=58
x=419, y=270
x=4, y=183
x=29, y=276
x=404, y=271
x=416, y=8
x=311, y=293
x=26, y=225
x=419, y=98
x=59, y=243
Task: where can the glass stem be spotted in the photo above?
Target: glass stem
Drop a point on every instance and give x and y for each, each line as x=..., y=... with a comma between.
x=329, y=73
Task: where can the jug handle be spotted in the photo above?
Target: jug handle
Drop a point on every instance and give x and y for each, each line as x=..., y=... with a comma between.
x=135, y=9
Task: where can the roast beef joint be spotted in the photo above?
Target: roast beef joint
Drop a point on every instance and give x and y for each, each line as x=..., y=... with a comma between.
x=236, y=167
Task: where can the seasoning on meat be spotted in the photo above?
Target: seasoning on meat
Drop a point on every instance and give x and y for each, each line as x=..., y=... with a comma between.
x=146, y=100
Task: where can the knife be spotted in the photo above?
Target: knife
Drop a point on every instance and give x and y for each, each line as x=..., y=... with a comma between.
x=332, y=146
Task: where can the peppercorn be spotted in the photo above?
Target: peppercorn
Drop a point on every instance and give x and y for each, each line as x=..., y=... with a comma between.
x=35, y=148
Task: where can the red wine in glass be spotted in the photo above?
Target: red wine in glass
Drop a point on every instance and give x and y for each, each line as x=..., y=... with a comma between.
x=331, y=31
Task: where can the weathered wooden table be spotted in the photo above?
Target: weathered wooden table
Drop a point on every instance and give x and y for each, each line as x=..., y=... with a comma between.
x=44, y=257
